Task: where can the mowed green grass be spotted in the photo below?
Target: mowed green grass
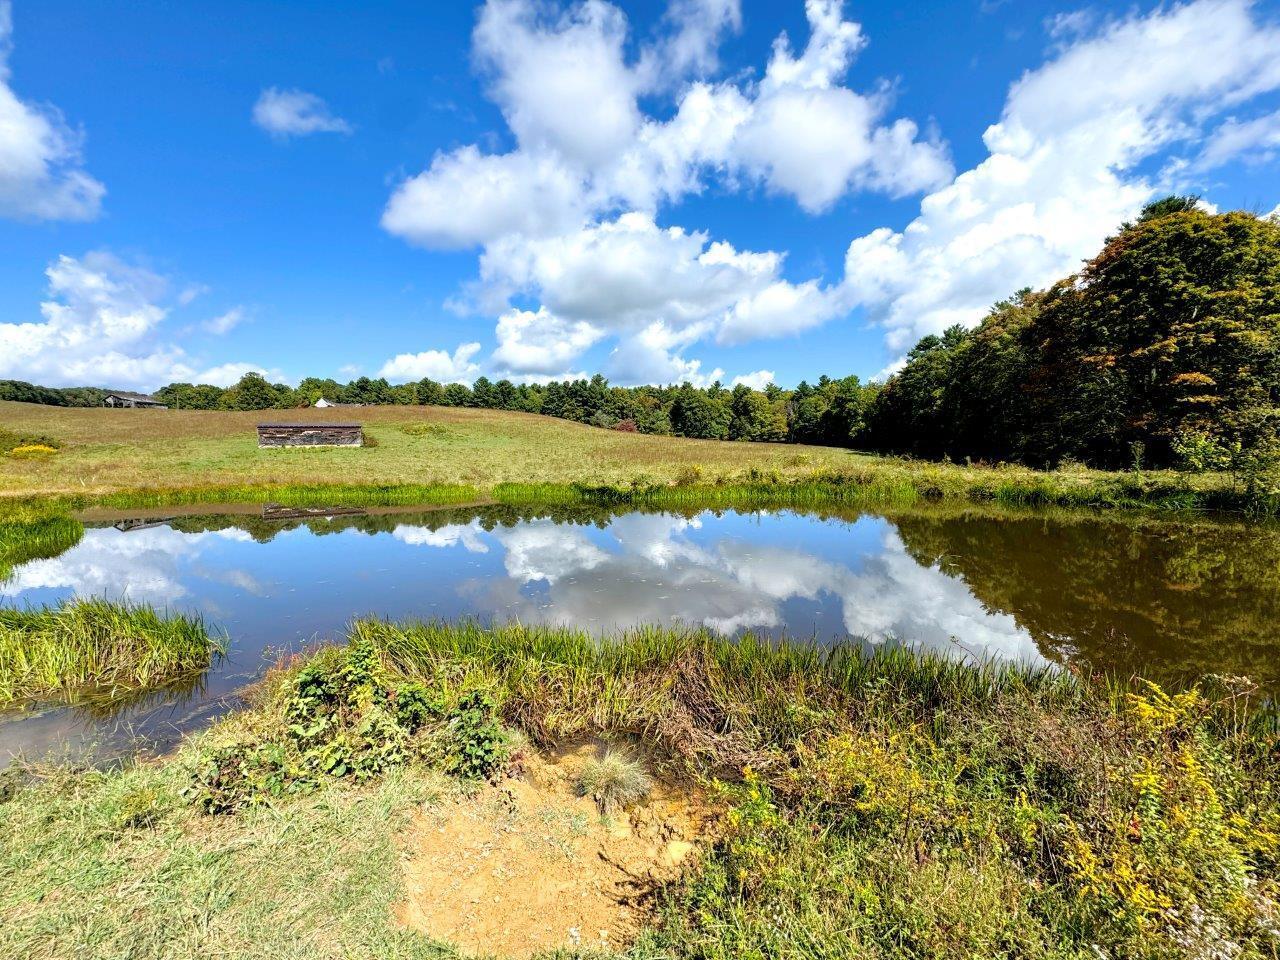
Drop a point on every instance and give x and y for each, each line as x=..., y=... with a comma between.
x=113, y=450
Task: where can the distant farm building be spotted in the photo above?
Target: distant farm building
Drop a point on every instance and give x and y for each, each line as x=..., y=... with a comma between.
x=310, y=435
x=133, y=400
x=323, y=403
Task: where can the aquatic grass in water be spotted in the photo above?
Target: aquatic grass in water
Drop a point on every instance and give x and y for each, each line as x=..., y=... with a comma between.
x=97, y=644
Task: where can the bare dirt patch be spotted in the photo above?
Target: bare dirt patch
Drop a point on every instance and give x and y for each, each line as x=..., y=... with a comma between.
x=529, y=865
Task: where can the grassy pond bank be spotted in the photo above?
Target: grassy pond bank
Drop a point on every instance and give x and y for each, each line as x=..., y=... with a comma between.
x=800, y=802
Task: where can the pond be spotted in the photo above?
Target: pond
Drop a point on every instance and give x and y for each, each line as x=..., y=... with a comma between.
x=1171, y=600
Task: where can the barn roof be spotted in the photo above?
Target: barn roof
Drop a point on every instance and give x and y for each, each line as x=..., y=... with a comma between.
x=126, y=395
x=309, y=426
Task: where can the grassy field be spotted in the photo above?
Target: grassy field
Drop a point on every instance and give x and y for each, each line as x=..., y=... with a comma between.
x=112, y=450
x=443, y=455
x=867, y=806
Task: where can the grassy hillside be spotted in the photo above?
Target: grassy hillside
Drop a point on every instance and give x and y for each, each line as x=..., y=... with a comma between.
x=108, y=450
x=129, y=458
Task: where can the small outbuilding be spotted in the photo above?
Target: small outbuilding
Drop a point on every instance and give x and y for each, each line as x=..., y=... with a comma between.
x=310, y=435
x=133, y=401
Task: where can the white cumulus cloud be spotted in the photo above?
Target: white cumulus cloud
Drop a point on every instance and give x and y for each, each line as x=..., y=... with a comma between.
x=225, y=374
x=756, y=380
x=437, y=364
x=540, y=343
x=41, y=177
x=467, y=198
x=101, y=326
x=1063, y=168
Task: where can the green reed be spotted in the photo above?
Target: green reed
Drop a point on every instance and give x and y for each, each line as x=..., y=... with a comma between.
x=98, y=645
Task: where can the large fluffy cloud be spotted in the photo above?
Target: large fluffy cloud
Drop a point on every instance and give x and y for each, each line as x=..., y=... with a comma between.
x=1065, y=163
x=438, y=365
x=40, y=173
x=562, y=85
x=101, y=326
x=567, y=218
x=658, y=290
x=540, y=343
x=467, y=198
x=570, y=97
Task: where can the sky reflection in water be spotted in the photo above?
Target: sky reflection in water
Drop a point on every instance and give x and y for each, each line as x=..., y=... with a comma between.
x=273, y=587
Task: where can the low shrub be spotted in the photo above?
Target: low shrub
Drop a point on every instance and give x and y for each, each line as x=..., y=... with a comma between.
x=688, y=475
x=344, y=714
x=10, y=442
x=436, y=431
x=614, y=780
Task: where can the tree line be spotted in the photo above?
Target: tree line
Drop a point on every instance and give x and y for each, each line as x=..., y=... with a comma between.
x=828, y=412
x=1164, y=350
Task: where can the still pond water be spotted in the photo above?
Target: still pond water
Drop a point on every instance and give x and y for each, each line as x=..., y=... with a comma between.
x=1171, y=600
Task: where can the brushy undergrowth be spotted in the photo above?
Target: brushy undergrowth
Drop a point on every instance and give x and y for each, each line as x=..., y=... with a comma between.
x=344, y=714
x=884, y=805
x=97, y=644
x=12, y=440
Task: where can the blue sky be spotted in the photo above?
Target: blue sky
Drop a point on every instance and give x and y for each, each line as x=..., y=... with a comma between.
x=655, y=191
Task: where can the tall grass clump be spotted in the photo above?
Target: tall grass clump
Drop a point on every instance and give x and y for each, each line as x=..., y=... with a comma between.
x=97, y=644
x=614, y=780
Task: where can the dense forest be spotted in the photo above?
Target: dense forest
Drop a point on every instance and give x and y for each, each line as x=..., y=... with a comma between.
x=1163, y=350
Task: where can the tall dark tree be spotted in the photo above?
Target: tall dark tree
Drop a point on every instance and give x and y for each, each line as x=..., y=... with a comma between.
x=251, y=392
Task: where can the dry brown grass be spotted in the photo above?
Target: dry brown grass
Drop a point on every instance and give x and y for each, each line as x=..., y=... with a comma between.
x=113, y=450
